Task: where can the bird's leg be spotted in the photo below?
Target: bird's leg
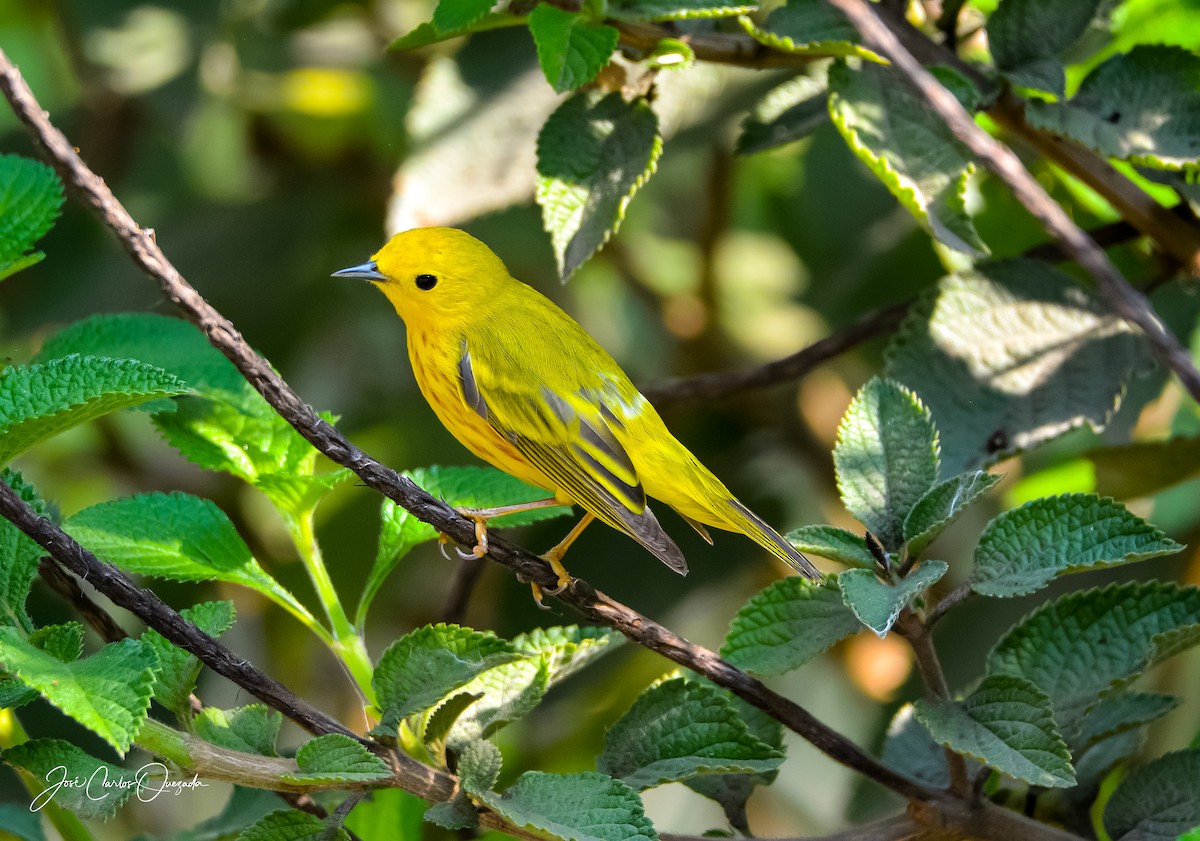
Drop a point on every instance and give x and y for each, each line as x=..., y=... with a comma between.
x=554, y=558
x=480, y=517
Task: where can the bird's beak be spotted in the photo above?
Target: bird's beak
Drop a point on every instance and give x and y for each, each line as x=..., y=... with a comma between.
x=367, y=271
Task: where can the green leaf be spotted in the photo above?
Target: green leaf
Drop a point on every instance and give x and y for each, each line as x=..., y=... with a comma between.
x=427, y=33
x=660, y=10
x=178, y=669
x=1144, y=468
x=423, y=667
x=1086, y=644
x=1139, y=107
x=471, y=487
x=336, y=758
x=886, y=458
x=1158, y=801
x=809, y=27
x=1011, y=355
x=908, y=148
x=171, y=344
x=63, y=642
x=567, y=648
x=41, y=400
x=20, y=823
x=1028, y=38
x=505, y=693
x=1119, y=713
x=680, y=729
x=785, y=625
x=594, y=154
x=733, y=791
x=788, y=113
x=570, y=47
x=292, y=825
x=19, y=557
x=454, y=814
x=1095, y=763
x=941, y=505
x=30, y=198
x=108, y=692
x=878, y=604
x=1008, y=724
x=450, y=15
x=574, y=807
x=176, y=536
x=833, y=543
x=55, y=761
x=479, y=766
x=911, y=751
x=1023, y=549
x=250, y=729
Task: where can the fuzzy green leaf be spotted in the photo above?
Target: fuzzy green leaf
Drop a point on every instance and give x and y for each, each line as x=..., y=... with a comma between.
x=108, y=692
x=1142, y=106
x=250, y=729
x=809, y=27
x=1158, y=801
x=176, y=536
x=660, y=10
x=1008, y=724
x=454, y=814
x=57, y=761
x=479, y=766
x=63, y=642
x=20, y=823
x=681, y=729
x=1011, y=355
x=877, y=604
x=1028, y=38
x=886, y=458
x=423, y=667
x=567, y=648
x=41, y=400
x=1023, y=549
x=785, y=625
x=941, y=505
x=19, y=556
x=571, y=48
x=30, y=199
x=336, y=758
x=574, y=807
x=909, y=148
x=178, y=669
x=788, y=113
x=1119, y=713
x=292, y=825
x=471, y=487
x=451, y=15
x=833, y=543
x=506, y=693
x=172, y=344
x=1086, y=644
x=594, y=154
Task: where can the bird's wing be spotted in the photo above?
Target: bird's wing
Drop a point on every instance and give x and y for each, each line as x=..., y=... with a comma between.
x=571, y=438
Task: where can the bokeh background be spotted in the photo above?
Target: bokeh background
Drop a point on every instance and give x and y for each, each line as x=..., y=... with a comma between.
x=270, y=142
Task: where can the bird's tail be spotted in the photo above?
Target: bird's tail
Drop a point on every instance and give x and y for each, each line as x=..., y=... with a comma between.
x=753, y=527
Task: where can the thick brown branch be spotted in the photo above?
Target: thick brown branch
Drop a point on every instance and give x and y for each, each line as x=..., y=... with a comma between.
x=1125, y=301
x=144, y=250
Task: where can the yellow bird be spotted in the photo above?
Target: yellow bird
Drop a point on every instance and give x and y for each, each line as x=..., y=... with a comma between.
x=523, y=387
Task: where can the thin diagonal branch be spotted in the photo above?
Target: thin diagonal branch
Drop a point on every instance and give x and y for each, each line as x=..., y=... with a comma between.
x=1124, y=300
x=144, y=250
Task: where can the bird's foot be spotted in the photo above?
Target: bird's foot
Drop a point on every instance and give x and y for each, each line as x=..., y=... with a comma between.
x=480, y=520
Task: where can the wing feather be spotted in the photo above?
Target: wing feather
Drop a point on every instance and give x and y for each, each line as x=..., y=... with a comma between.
x=570, y=438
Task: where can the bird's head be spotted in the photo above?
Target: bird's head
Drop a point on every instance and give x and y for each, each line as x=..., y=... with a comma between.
x=434, y=274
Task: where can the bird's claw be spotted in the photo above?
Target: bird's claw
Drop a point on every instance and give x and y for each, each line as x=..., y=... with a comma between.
x=473, y=555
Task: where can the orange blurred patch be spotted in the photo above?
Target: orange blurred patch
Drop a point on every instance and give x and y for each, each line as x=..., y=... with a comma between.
x=878, y=666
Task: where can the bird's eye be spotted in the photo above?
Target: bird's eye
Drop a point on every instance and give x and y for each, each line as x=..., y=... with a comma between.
x=426, y=281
